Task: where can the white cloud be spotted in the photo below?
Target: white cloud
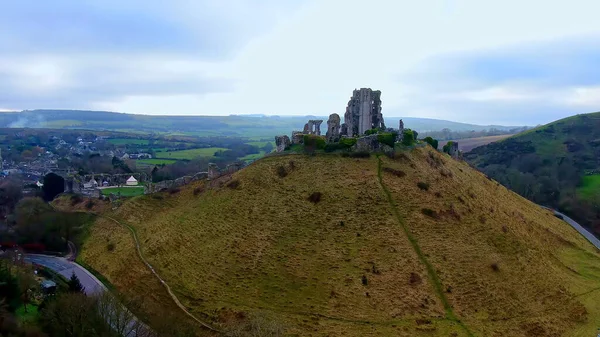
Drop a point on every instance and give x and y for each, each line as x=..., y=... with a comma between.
x=586, y=97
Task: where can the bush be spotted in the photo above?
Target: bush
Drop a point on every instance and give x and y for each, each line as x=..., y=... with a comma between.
x=315, y=197
x=174, y=190
x=281, y=171
x=157, y=196
x=433, y=142
x=234, y=184
x=371, y=132
x=198, y=190
x=89, y=204
x=408, y=138
x=348, y=142
x=429, y=212
x=75, y=199
x=364, y=280
x=110, y=247
x=395, y=172
x=423, y=186
x=387, y=138
x=317, y=142
x=330, y=147
x=495, y=267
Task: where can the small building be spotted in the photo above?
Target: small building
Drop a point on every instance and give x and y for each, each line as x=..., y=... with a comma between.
x=91, y=184
x=105, y=183
x=48, y=286
x=131, y=181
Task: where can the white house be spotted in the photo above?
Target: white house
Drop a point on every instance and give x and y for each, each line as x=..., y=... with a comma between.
x=131, y=181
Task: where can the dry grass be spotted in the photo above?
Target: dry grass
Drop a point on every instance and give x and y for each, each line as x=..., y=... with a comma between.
x=265, y=247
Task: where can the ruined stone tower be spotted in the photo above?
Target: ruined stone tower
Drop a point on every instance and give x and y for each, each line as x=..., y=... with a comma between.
x=363, y=112
x=333, y=128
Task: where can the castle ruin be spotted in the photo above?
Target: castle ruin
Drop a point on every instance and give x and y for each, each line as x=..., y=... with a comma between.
x=363, y=113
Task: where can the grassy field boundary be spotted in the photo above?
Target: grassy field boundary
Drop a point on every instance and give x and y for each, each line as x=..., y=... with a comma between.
x=435, y=279
x=167, y=287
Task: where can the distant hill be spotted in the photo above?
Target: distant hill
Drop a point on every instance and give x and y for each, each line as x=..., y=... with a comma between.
x=557, y=165
x=420, y=245
x=233, y=125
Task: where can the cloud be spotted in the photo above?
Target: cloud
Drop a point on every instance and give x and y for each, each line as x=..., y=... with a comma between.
x=471, y=61
x=526, y=83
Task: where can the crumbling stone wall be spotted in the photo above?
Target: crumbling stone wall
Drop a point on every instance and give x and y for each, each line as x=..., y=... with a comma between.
x=453, y=150
x=370, y=144
x=313, y=127
x=281, y=142
x=297, y=137
x=363, y=112
x=333, y=128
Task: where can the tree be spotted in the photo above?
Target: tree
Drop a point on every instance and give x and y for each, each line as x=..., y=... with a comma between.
x=53, y=186
x=268, y=147
x=27, y=284
x=75, y=285
x=433, y=142
x=73, y=315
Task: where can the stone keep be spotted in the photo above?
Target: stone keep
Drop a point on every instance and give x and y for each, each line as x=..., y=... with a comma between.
x=363, y=112
x=333, y=128
x=282, y=142
x=453, y=150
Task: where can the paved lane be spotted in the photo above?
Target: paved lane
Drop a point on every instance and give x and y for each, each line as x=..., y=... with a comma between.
x=591, y=237
x=66, y=268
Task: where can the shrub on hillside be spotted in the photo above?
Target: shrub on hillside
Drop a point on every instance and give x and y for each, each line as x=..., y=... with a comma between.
x=198, y=190
x=313, y=143
x=387, y=138
x=433, y=142
x=429, y=212
x=348, y=142
x=423, y=186
x=364, y=280
x=89, y=204
x=495, y=266
x=234, y=184
x=395, y=172
x=157, y=196
x=281, y=171
x=408, y=138
x=174, y=190
x=110, y=246
x=315, y=197
x=371, y=132
x=75, y=199
x=330, y=147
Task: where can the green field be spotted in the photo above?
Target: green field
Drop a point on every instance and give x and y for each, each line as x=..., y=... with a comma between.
x=190, y=154
x=260, y=144
x=27, y=317
x=590, y=187
x=156, y=161
x=252, y=157
x=125, y=191
x=123, y=141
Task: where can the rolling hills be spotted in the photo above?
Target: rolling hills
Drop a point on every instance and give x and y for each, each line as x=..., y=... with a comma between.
x=256, y=126
x=415, y=245
x=557, y=165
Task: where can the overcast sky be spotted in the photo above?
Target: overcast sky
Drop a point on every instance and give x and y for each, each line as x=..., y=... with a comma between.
x=505, y=62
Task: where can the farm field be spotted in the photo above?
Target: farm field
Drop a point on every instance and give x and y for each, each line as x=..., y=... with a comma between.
x=156, y=161
x=125, y=191
x=468, y=144
x=189, y=154
x=260, y=143
x=252, y=157
x=123, y=141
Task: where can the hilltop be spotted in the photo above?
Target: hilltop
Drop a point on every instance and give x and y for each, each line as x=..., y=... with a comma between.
x=415, y=245
x=557, y=165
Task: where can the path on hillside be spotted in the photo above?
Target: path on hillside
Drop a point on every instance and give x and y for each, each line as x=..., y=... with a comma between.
x=173, y=296
x=435, y=279
x=589, y=236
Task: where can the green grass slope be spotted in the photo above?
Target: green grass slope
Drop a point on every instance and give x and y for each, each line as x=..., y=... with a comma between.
x=556, y=165
x=333, y=246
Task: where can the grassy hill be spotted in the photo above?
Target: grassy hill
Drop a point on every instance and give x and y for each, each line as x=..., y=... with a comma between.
x=418, y=245
x=556, y=165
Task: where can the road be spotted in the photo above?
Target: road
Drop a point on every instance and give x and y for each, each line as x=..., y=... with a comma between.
x=591, y=238
x=66, y=268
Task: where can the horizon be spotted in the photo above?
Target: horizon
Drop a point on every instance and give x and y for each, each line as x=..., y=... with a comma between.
x=438, y=59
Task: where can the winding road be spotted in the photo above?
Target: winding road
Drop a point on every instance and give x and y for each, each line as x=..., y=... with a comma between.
x=67, y=268
x=589, y=236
